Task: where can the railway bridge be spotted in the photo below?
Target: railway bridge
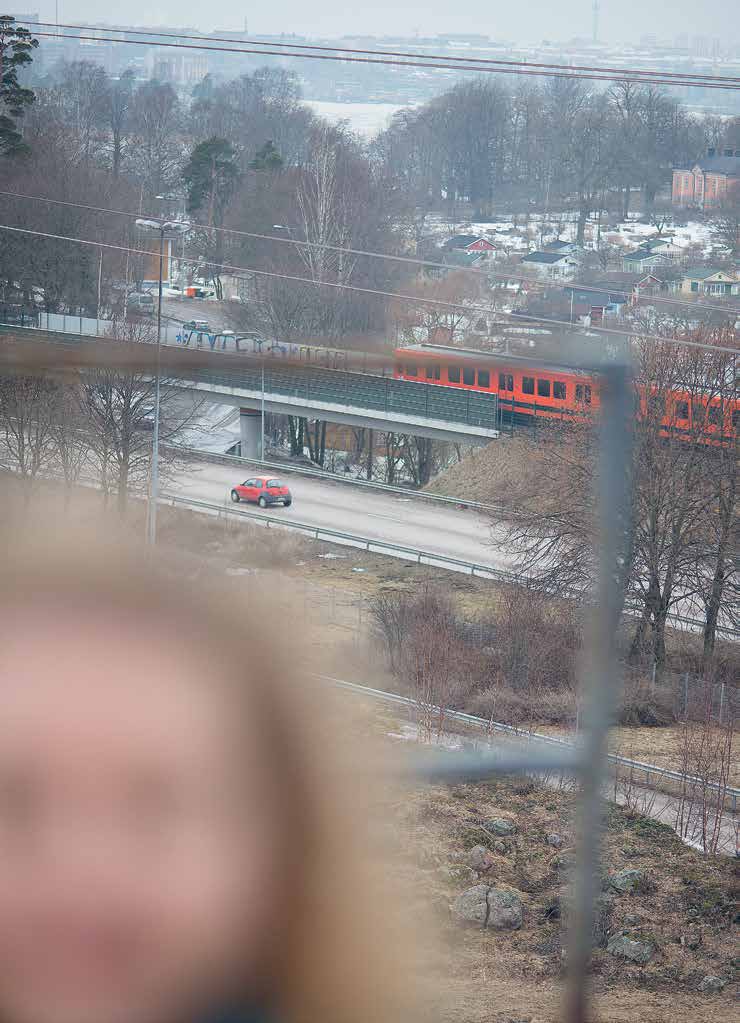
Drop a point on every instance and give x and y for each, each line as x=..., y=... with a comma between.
x=255, y=384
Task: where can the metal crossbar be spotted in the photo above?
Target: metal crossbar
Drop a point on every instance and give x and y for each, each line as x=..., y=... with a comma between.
x=488, y=725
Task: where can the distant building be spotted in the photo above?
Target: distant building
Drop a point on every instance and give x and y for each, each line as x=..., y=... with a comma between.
x=470, y=243
x=595, y=302
x=552, y=265
x=560, y=246
x=709, y=181
x=710, y=281
x=664, y=246
x=644, y=259
x=633, y=285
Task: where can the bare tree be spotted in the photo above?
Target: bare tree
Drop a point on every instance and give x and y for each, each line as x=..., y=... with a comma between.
x=27, y=412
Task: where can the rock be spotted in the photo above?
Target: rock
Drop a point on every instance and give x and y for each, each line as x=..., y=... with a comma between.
x=480, y=859
x=489, y=907
x=505, y=910
x=632, y=920
x=691, y=940
x=639, y=952
x=555, y=840
x=502, y=848
x=563, y=861
x=627, y=880
x=711, y=985
x=500, y=826
x=472, y=905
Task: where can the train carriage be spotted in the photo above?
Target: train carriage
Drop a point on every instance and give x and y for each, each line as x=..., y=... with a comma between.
x=529, y=390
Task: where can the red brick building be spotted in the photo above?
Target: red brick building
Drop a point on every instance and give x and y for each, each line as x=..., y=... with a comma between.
x=709, y=182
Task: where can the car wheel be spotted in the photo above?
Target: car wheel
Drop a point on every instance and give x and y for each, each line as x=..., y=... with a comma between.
x=287, y=503
x=235, y=497
x=262, y=502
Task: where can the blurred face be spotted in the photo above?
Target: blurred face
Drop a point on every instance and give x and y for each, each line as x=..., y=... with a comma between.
x=137, y=843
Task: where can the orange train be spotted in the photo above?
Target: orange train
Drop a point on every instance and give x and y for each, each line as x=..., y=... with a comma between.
x=529, y=389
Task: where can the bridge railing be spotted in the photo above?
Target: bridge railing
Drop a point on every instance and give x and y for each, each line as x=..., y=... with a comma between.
x=312, y=384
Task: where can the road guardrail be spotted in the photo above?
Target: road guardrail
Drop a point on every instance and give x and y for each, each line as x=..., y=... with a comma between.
x=730, y=793
x=420, y=556
x=335, y=477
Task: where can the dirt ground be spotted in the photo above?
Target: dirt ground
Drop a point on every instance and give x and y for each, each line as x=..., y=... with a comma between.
x=686, y=909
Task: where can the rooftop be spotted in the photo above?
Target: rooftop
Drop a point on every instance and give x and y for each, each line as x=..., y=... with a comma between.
x=544, y=257
x=462, y=241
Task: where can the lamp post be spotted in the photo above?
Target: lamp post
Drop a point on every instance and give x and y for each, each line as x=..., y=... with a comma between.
x=169, y=228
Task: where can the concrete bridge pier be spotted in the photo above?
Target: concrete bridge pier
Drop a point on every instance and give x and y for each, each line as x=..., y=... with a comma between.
x=250, y=423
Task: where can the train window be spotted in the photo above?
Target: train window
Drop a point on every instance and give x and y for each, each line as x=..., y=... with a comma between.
x=410, y=370
x=505, y=382
x=468, y=376
x=432, y=372
x=558, y=390
x=528, y=385
x=453, y=374
x=681, y=410
x=583, y=394
x=484, y=378
x=543, y=388
x=715, y=415
x=698, y=412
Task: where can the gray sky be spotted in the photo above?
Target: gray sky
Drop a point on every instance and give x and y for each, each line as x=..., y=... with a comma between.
x=620, y=20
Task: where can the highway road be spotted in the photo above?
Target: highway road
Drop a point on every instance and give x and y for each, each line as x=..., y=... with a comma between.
x=448, y=531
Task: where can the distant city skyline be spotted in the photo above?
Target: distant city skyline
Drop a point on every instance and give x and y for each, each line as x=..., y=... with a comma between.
x=620, y=21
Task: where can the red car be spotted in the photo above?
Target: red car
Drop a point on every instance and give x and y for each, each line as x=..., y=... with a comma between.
x=265, y=490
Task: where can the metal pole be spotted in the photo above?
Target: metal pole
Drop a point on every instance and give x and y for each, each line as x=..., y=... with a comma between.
x=262, y=415
x=100, y=285
x=601, y=679
x=154, y=476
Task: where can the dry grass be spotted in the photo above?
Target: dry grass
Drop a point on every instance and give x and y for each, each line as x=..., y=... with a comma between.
x=488, y=473
x=659, y=746
x=501, y=977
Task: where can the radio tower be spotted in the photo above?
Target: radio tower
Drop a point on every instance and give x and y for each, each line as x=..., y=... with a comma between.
x=595, y=13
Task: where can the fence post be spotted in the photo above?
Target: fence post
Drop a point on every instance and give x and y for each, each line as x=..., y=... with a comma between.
x=652, y=679
x=721, y=701
x=686, y=695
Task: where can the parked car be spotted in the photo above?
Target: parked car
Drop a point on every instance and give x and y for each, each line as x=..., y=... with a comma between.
x=199, y=326
x=264, y=490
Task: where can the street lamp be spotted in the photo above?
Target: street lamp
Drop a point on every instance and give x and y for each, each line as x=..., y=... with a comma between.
x=171, y=229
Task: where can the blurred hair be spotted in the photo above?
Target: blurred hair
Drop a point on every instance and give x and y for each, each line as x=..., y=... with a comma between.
x=337, y=954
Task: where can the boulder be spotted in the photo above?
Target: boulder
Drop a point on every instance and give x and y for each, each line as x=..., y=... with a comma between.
x=639, y=952
x=627, y=880
x=691, y=940
x=500, y=826
x=555, y=840
x=472, y=905
x=711, y=985
x=480, y=859
x=505, y=910
x=490, y=907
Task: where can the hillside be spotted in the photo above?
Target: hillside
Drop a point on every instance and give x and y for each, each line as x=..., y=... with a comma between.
x=662, y=903
x=489, y=473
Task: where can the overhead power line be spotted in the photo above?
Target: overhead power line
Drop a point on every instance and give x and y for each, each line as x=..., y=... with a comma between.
x=336, y=285
x=521, y=69
x=533, y=283
x=338, y=50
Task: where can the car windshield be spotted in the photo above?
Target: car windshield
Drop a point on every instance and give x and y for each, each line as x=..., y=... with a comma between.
x=275, y=483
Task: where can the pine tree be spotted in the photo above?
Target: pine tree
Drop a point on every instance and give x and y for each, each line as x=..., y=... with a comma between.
x=16, y=46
